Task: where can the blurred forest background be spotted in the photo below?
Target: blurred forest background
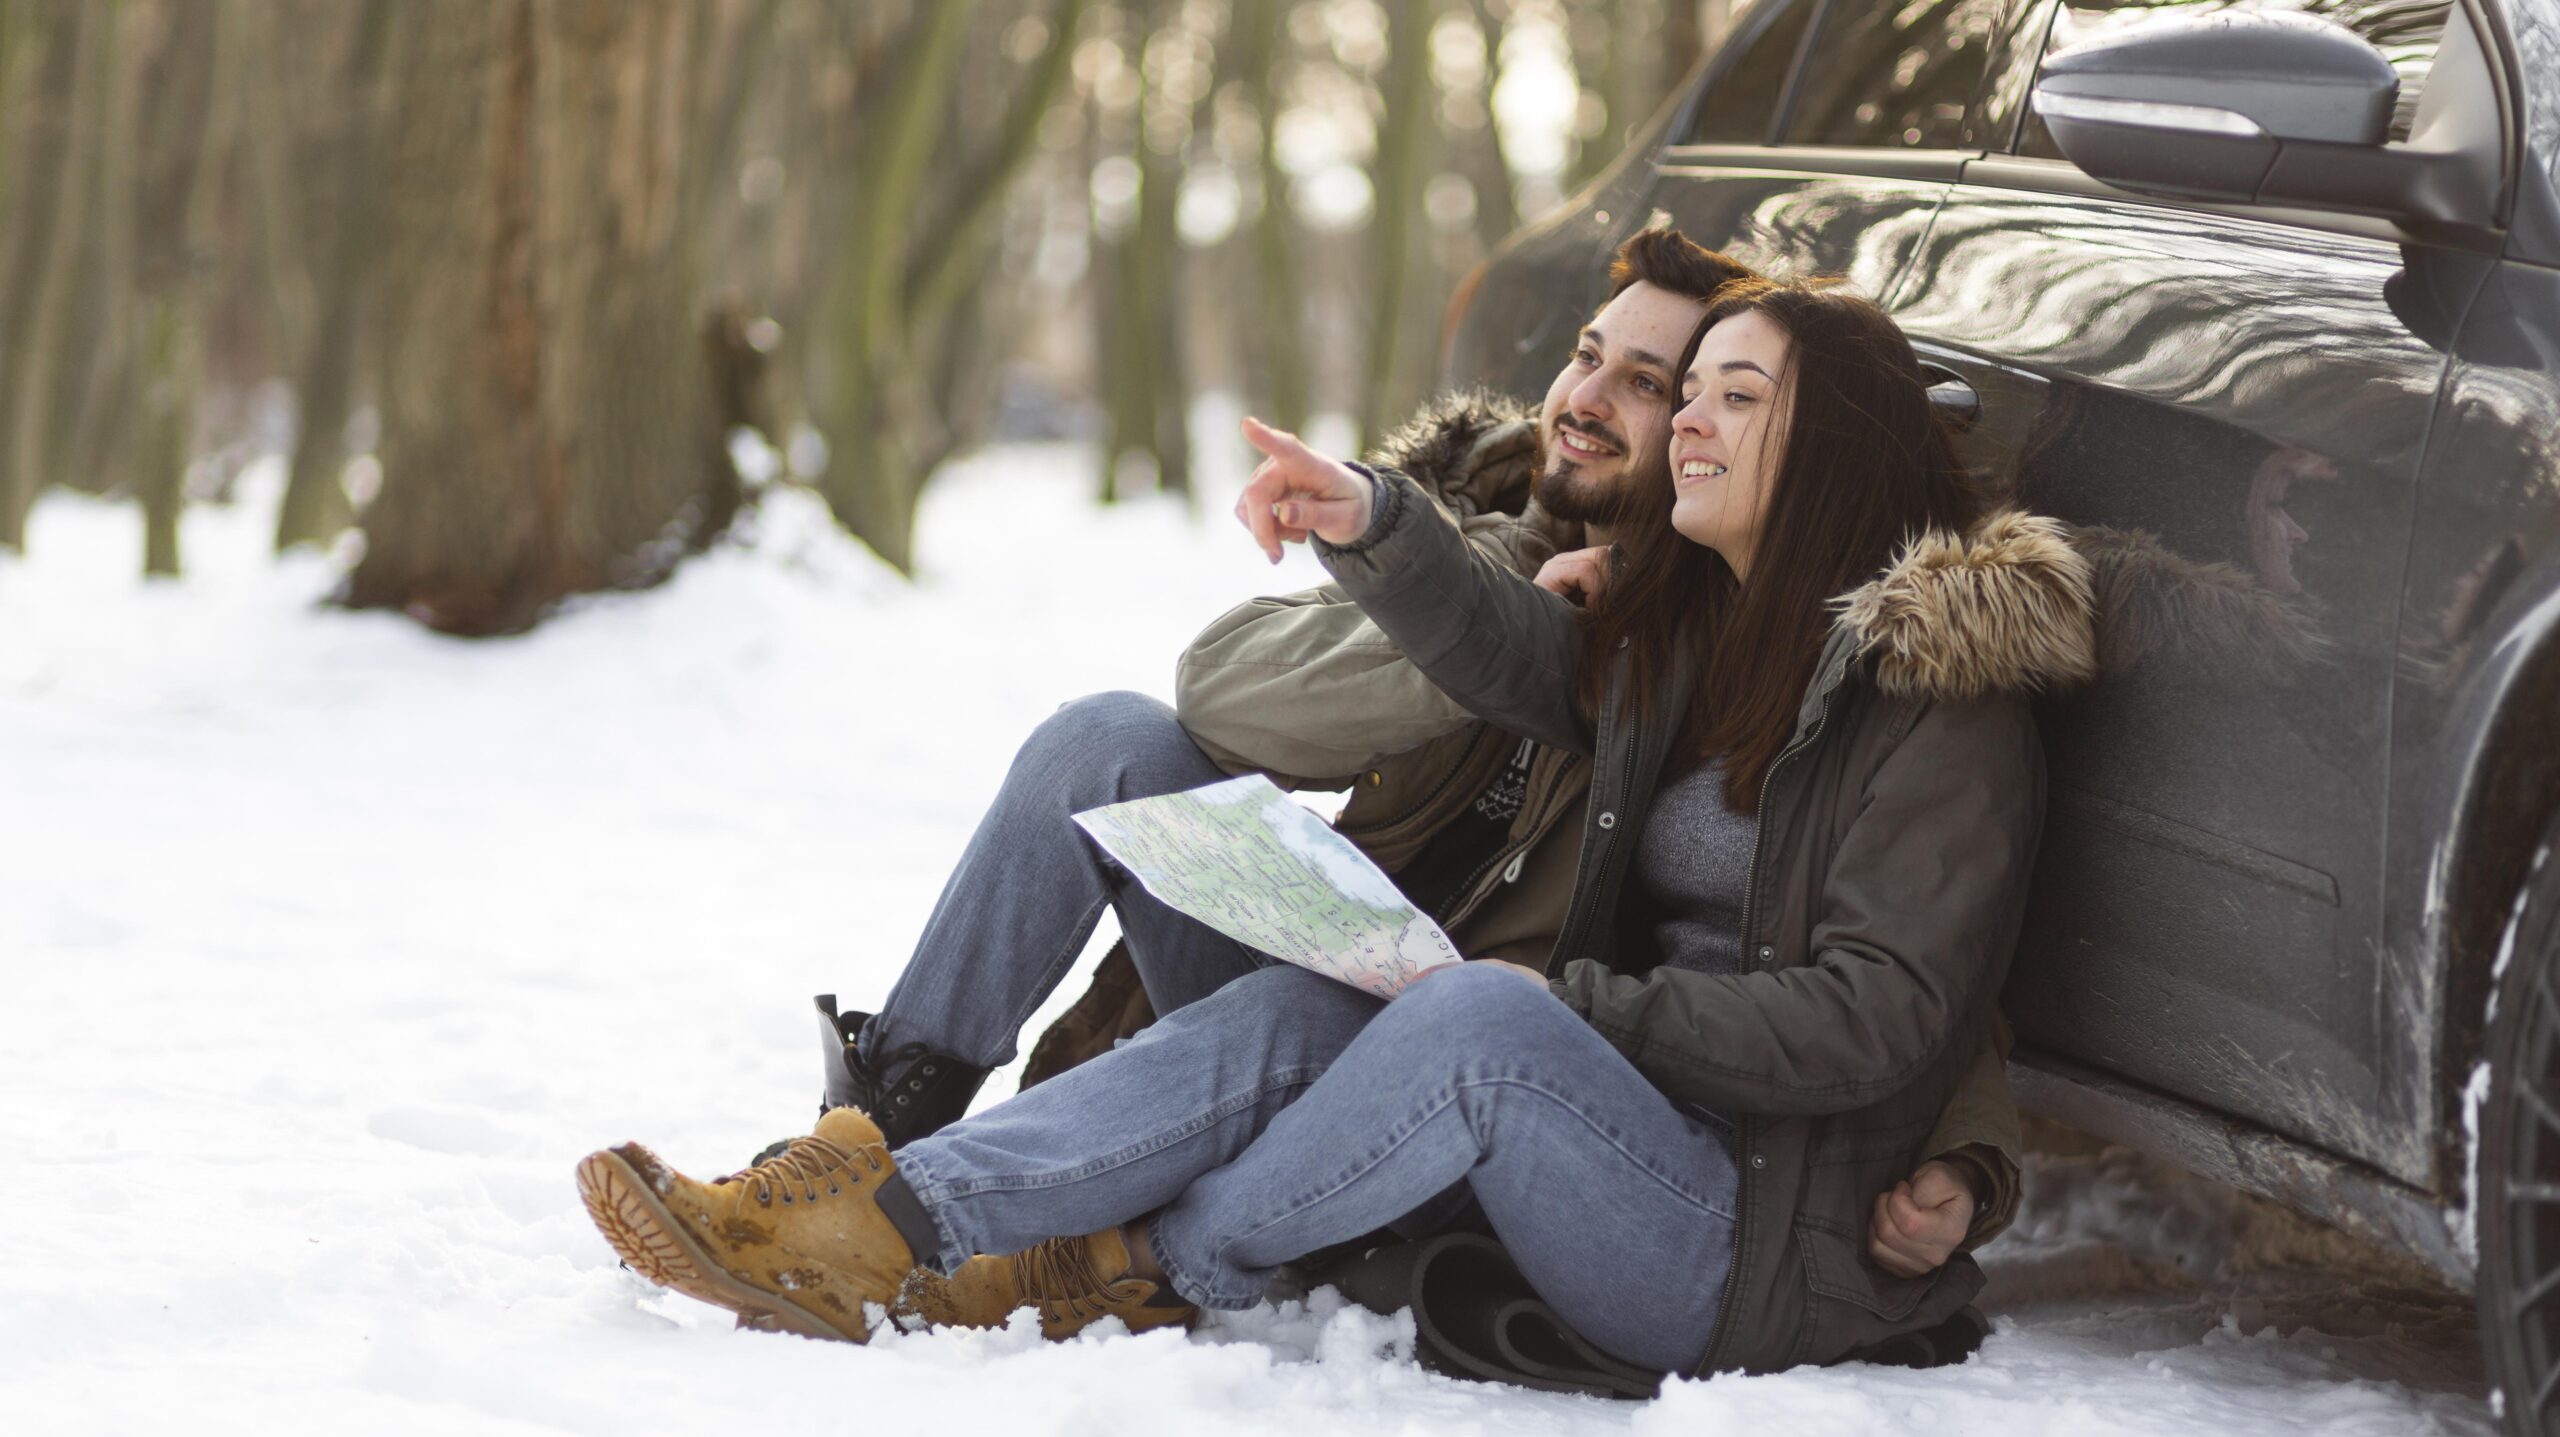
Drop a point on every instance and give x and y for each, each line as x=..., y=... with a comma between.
x=512, y=280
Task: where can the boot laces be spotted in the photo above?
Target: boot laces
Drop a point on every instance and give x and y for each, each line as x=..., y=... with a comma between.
x=799, y=1168
x=1061, y=1273
x=878, y=1077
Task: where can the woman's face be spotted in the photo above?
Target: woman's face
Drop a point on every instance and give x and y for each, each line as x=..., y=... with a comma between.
x=1729, y=439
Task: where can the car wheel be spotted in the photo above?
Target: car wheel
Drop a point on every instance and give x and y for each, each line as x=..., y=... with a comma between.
x=2518, y=1175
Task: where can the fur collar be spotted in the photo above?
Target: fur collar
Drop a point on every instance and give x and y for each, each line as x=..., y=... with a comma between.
x=2003, y=609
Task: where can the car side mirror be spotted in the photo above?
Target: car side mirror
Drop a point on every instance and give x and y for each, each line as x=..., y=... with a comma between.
x=2269, y=108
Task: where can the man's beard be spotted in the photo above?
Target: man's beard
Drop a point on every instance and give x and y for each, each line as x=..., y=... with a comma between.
x=1565, y=490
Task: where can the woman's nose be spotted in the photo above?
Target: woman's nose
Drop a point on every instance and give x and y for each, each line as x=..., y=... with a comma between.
x=1693, y=419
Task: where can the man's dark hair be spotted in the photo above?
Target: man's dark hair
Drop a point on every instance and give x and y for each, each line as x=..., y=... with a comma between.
x=1668, y=259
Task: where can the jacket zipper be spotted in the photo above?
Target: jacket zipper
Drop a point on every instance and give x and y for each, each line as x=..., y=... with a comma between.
x=1743, y=1126
x=1574, y=919
x=1458, y=908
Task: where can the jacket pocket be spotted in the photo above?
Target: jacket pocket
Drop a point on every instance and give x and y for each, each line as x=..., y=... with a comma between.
x=1836, y=1266
x=1851, y=1303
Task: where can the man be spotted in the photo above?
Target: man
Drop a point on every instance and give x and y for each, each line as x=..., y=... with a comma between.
x=1476, y=825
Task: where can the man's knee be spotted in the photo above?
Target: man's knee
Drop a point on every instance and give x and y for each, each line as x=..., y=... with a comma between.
x=1102, y=738
x=1282, y=998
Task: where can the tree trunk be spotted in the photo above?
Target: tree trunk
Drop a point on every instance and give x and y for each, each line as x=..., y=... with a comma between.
x=1497, y=204
x=1283, y=342
x=548, y=425
x=175, y=144
x=873, y=407
x=1395, y=180
x=1157, y=290
x=315, y=505
x=74, y=92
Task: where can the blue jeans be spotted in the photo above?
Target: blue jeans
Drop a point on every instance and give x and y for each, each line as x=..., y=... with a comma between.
x=1031, y=885
x=1287, y=1112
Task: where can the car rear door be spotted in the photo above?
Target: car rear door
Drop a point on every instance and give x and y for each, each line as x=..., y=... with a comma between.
x=2225, y=402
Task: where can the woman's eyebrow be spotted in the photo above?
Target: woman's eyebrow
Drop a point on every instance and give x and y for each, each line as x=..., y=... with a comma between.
x=1730, y=365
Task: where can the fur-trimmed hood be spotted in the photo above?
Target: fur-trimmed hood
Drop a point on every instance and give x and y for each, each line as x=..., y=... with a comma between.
x=2005, y=608
x=1473, y=450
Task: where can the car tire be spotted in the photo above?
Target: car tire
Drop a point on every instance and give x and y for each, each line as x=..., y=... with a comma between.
x=2518, y=1174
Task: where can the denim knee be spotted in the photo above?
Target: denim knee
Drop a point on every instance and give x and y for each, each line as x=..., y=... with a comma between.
x=1109, y=745
x=1471, y=1011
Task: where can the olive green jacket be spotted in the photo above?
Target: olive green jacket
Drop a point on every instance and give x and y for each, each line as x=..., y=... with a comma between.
x=1307, y=688
x=1897, y=834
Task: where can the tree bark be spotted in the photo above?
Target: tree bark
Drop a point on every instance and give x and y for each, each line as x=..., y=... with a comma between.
x=1497, y=204
x=175, y=144
x=1265, y=28
x=548, y=424
x=874, y=408
x=74, y=91
x=315, y=504
x=1395, y=181
x=1158, y=288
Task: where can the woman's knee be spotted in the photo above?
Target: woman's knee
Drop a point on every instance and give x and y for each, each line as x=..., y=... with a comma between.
x=1474, y=1009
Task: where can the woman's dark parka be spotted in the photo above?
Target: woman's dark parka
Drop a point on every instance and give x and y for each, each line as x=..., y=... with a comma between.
x=1898, y=830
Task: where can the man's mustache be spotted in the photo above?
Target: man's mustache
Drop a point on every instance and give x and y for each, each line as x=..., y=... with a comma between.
x=1595, y=431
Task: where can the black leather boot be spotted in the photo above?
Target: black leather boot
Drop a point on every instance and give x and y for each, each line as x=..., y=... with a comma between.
x=910, y=1091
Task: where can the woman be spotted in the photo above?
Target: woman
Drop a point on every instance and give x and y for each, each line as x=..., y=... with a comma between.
x=1829, y=806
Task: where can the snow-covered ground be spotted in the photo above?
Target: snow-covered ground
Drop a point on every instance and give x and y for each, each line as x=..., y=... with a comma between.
x=330, y=945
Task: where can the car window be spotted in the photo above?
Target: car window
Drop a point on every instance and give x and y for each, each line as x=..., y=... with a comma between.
x=1895, y=74
x=2405, y=31
x=1742, y=103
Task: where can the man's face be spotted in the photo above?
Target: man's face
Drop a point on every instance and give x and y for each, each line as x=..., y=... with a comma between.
x=1606, y=425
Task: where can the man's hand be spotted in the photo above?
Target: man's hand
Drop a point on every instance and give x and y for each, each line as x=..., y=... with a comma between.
x=1297, y=492
x=1524, y=970
x=1919, y=1223
x=1578, y=574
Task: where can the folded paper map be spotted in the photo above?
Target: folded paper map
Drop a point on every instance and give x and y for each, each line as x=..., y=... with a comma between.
x=1248, y=860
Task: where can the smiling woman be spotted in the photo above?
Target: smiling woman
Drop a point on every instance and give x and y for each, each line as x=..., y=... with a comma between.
x=1815, y=800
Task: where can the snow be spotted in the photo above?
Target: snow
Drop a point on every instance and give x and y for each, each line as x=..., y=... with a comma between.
x=333, y=944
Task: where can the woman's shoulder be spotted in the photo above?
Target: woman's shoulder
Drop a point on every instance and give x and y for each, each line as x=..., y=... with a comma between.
x=1992, y=615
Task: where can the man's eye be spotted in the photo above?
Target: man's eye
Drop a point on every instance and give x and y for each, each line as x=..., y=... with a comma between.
x=1585, y=356
x=1648, y=384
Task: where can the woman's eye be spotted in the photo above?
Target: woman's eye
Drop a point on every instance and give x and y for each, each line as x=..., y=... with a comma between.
x=1736, y=397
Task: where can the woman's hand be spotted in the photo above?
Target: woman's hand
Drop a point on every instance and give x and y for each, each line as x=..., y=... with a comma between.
x=1919, y=1223
x=1297, y=492
x=1578, y=574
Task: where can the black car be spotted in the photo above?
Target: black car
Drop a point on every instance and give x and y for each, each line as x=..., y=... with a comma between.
x=2265, y=300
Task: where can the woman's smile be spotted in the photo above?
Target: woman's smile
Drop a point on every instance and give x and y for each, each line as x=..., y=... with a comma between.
x=1690, y=469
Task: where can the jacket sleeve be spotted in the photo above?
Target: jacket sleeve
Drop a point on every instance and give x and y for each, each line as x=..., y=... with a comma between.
x=1308, y=687
x=1503, y=648
x=1979, y=1130
x=1918, y=915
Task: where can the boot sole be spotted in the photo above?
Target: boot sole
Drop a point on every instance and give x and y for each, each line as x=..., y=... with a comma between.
x=647, y=1237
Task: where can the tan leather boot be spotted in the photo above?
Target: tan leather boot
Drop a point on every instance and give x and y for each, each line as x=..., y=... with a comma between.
x=1073, y=1282
x=796, y=1243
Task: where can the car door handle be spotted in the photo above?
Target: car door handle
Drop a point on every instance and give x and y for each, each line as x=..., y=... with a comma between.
x=1953, y=396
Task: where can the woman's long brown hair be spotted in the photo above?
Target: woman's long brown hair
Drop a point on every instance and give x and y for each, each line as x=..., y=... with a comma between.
x=1865, y=465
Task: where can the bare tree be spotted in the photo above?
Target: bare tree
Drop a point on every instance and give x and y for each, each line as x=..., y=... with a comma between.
x=342, y=270
x=548, y=426
x=1396, y=177
x=58, y=151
